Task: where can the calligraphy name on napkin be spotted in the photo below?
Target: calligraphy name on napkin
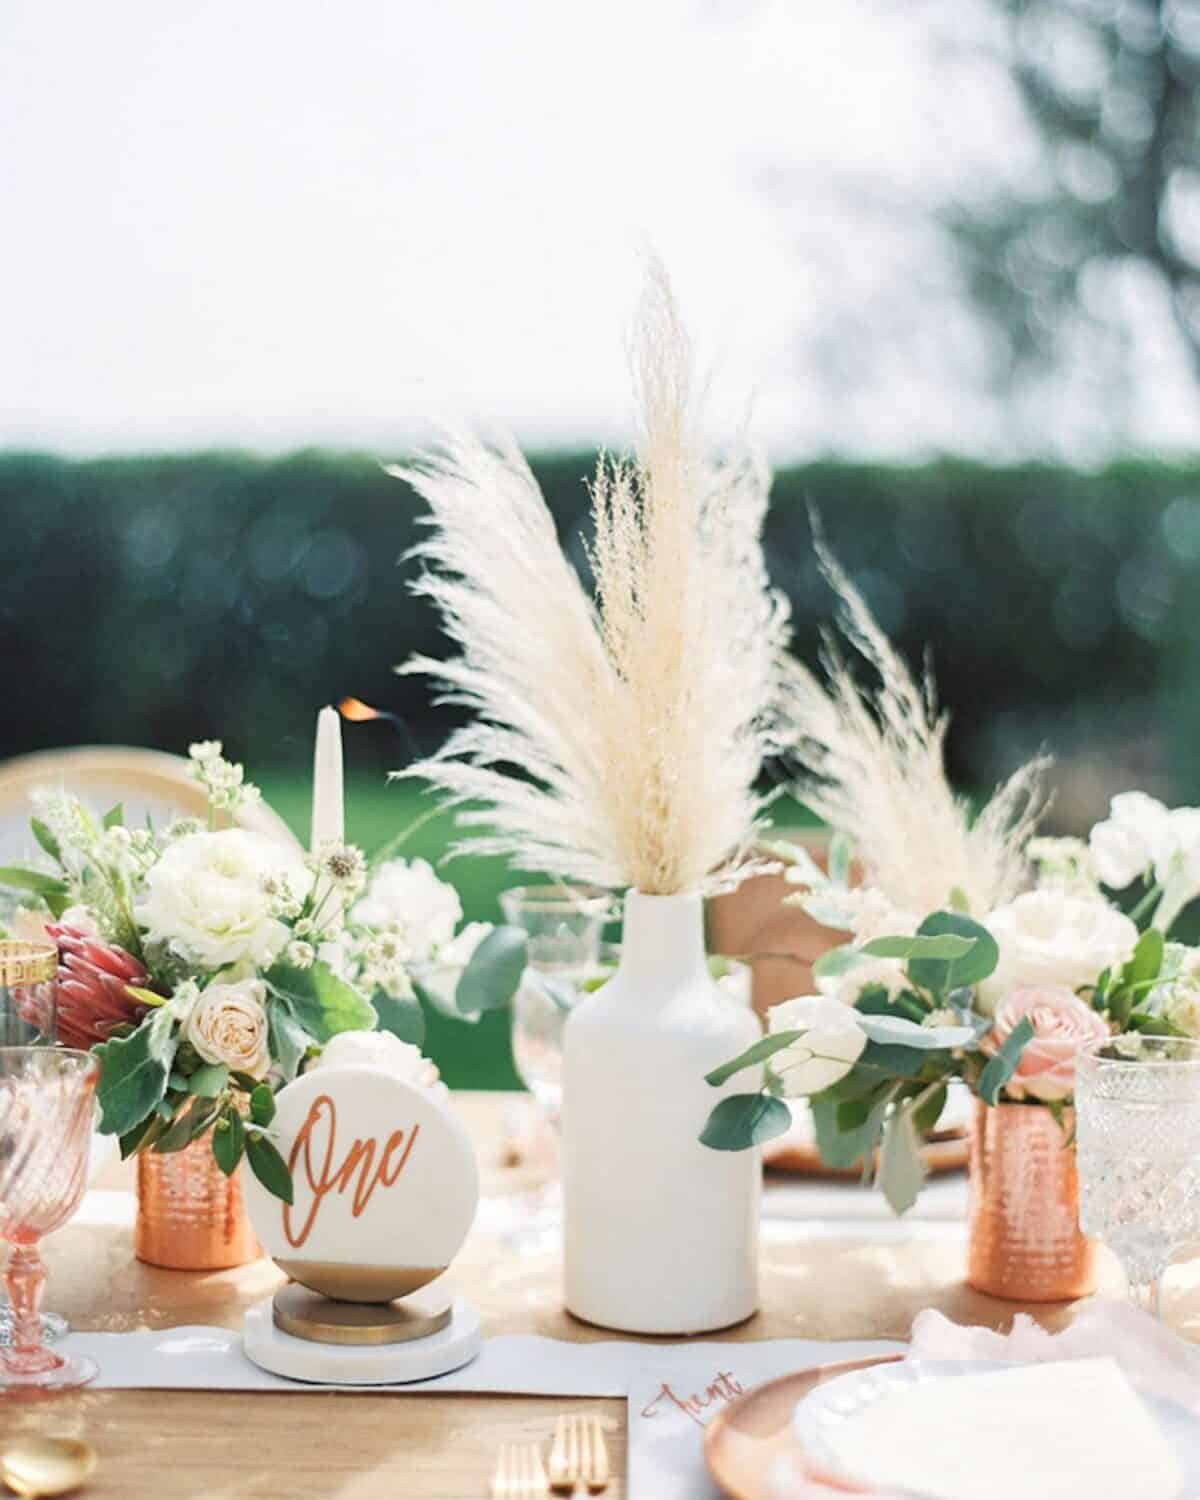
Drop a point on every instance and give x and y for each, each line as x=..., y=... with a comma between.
x=719, y=1391
x=384, y=1183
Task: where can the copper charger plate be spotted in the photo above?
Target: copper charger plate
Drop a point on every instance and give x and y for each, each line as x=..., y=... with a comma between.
x=944, y=1151
x=743, y=1442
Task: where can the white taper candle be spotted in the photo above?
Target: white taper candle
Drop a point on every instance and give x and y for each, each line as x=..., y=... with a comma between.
x=328, y=812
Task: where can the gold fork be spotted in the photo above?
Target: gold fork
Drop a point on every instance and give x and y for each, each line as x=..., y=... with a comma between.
x=578, y=1455
x=519, y=1473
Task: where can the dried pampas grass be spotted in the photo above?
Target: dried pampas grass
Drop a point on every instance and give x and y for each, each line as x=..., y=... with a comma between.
x=616, y=742
x=872, y=766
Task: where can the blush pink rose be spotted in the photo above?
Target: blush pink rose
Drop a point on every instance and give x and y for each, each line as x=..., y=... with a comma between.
x=1062, y=1024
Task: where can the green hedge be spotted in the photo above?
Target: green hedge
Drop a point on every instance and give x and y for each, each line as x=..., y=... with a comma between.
x=159, y=599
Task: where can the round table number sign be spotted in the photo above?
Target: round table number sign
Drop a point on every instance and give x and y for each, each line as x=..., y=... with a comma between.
x=385, y=1182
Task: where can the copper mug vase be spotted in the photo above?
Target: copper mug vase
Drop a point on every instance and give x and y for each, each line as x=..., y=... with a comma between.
x=1025, y=1243
x=190, y=1216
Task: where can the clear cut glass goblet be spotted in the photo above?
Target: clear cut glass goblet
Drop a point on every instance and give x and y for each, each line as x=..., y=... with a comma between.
x=563, y=925
x=1137, y=1120
x=47, y=1100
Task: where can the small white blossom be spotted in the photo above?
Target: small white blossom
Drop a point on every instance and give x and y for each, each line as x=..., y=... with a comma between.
x=345, y=867
x=301, y=955
x=203, y=751
x=303, y=927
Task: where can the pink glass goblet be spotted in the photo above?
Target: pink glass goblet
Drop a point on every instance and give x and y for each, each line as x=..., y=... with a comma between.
x=47, y=1099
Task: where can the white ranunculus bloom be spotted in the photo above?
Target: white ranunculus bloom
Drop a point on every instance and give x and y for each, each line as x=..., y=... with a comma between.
x=383, y=1051
x=407, y=899
x=228, y=1024
x=212, y=897
x=1049, y=937
x=1129, y=840
x=832, y=1043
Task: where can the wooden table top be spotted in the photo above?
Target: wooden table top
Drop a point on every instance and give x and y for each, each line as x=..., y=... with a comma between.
x=868, y=1282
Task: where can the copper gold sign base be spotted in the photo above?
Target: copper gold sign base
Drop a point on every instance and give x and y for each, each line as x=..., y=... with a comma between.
x=307, y=1315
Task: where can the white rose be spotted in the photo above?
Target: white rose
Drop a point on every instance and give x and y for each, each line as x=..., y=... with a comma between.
x=832, y=1043
x=207, y=898
x=228, y=1024
x=1124, y=846
x=407, y=899
x=382, y=1051
x=1048, y=937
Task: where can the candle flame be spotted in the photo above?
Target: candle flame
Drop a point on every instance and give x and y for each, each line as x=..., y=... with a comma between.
x=358, y=712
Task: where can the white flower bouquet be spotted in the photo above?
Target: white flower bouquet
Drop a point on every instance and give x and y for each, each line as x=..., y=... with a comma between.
x=205, y=966
x=977, y=951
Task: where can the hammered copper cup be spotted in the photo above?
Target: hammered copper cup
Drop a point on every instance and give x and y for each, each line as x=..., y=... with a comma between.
x=190, y=1216
x=1025, y=1243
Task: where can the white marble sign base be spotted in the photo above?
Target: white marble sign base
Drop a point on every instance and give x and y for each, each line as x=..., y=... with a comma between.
x=356, y=1364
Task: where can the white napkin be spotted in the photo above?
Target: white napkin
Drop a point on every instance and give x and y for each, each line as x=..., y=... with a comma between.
x=1154, y=1358
x=1067, y=1430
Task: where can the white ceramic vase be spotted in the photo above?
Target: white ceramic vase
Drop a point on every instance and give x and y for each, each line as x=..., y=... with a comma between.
x=661, y=1233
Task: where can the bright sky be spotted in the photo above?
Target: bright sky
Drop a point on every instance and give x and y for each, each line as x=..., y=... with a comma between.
x=286, y=222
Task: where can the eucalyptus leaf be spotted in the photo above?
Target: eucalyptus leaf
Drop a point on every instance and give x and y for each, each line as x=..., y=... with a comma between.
x=758, y=1052
x=901, y=1165
x=887, y=1059
x=844, y=1147
x=897, y=1031
x=1001, y=1067
x=287, y=1039
x=835, y=962
x=133, y=1074
x=435, y=987
x=268, y=1166
x=969, y=969
x=209, y=1081
x=319, y=1001
x=404, y=1018
x=493, y=974
x=933, y=947
x=745, y=1120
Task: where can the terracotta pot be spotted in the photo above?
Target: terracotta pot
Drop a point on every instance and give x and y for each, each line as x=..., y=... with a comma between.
x=190, y=1216
x=1025, y=1243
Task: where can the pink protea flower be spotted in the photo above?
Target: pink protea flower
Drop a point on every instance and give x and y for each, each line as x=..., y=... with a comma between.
x=92, y=979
